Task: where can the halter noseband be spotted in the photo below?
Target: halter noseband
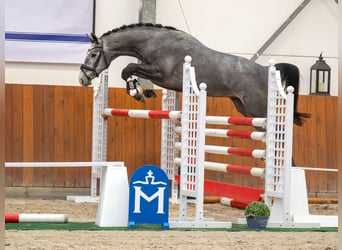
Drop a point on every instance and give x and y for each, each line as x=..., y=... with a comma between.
x=93, y=68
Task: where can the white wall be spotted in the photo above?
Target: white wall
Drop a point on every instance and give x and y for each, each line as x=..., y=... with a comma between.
x=242, y=27
x=109, y=14
x=237, y=27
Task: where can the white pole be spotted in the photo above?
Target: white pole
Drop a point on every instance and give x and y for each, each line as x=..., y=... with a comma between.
x=317, y=169
x=200, y=150
x=57, y=164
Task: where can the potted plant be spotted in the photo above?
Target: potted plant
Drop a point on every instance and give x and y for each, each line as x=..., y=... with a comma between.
x=257, y=214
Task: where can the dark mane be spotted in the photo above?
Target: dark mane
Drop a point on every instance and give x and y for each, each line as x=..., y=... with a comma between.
x=124, y=27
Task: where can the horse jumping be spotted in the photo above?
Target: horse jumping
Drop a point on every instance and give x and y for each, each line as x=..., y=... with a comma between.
x=161, y=50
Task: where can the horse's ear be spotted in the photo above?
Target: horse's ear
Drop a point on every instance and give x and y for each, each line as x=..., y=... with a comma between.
x=92, y=37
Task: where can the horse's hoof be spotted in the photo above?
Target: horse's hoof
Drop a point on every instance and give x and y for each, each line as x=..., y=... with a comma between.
x=132, y=87
x=139, y=98
x=133, y=92
x=148, y=93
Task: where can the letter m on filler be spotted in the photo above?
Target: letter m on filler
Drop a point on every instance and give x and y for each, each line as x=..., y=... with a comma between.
x=148, y=196
x=140, y=194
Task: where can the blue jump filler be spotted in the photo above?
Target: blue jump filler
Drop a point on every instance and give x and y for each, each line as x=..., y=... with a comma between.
x=149, y=197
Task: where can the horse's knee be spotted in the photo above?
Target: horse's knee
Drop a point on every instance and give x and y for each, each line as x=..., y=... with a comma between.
x=128, y=71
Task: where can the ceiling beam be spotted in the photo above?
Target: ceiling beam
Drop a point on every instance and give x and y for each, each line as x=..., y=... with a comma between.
x=147, y=14
x=280, y=30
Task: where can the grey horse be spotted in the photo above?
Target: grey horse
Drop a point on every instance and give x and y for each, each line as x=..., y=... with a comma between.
x=161, y=51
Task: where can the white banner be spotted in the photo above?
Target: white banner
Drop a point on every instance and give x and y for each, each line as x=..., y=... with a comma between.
x=47, y=30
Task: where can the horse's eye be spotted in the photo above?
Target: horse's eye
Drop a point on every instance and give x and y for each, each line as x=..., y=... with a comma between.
x=93, y=55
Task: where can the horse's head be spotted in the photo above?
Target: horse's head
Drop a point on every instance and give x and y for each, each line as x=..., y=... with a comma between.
x=94, y=63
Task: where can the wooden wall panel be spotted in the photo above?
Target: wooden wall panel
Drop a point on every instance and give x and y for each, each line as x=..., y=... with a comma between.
x=28, y=128
x=79, y=135
x=69, y=144
x=59, y=126
x=133, y=140
x=17, y=145
x=315, y=142
x=9, y=133
x=88, y=116
x=38, y=124
x=54, y=123
x=48, y=137
x=112, y=138
x=330, y=133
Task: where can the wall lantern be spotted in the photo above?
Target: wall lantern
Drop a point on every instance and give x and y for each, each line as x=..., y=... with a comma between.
x=320, y=78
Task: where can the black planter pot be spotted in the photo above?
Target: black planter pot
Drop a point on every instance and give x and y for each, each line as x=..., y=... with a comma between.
x=257, y=222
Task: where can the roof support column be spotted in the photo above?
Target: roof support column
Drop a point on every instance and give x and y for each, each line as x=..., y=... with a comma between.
x=147, y=14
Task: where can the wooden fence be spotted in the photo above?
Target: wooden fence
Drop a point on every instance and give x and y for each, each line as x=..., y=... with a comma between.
x=54, y=123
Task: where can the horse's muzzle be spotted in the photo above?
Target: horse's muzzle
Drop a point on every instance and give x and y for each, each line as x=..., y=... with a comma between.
x=83, y=79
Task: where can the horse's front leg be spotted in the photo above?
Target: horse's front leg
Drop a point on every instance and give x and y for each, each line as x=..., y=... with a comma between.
x=133, y=87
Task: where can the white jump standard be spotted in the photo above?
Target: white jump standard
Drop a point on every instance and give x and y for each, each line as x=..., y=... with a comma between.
x=192, y=156
x=283, y=184
x=285, y=188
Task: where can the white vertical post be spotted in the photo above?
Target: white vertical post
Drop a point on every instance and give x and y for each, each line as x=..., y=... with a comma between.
x=288, y=138
x=192, y=152
x=99, y=134
x=279, y=151
x=184, y=177
x=193, y=141
x=168, y=140
x=200, y=153
x=276, y=173
x=270, y=136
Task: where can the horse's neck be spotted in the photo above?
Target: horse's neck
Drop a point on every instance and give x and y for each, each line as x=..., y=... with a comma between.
x=128, y=43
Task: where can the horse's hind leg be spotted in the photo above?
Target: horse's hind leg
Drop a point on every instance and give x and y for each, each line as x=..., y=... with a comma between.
x=239, y=106
x=145, y=71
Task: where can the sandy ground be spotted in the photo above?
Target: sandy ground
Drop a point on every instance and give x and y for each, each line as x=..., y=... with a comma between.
x=168, y=239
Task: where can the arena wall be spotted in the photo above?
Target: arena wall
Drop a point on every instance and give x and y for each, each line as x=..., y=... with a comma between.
x=53, y=123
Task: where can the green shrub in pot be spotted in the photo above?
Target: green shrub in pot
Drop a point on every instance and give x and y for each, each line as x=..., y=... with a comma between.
x=257, y=208
x=257, y=214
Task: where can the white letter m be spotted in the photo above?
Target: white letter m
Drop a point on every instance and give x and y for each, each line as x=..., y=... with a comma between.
x=159, y=194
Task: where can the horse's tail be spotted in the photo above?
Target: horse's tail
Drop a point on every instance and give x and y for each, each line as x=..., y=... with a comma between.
x=290, y=75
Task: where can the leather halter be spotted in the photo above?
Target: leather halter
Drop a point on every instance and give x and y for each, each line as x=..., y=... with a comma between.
x=85, y=67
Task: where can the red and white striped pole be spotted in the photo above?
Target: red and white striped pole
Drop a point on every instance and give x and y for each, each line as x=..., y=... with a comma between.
x=211, y=149
x=32, y=218
x=234, y=203
x=165, y=114
x=230, y=168
x=136, y=113
x=243, y=121
x=225, y=133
